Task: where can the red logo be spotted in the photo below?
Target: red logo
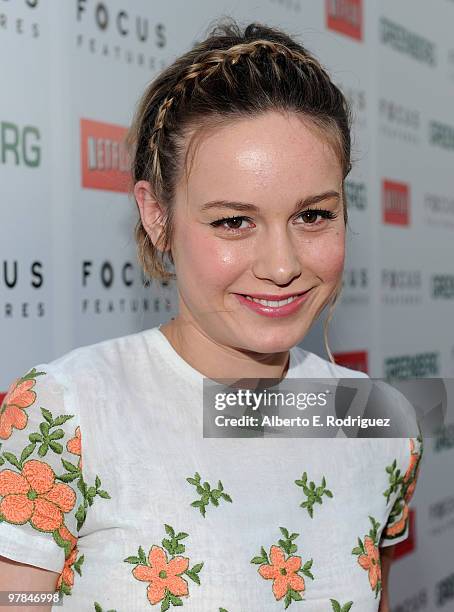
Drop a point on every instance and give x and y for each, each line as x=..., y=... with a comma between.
x=104, y=158
x=407, y=546
x=346, y=17
x=396, y=203
x=2, y=396
x=356, y=360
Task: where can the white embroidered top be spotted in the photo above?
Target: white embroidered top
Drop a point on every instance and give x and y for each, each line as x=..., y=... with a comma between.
x=107, y=479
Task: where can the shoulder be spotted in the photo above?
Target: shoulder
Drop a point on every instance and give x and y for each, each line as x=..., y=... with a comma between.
x=309, y=365
x=90, y=361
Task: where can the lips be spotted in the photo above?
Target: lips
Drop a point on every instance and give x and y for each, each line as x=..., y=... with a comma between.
x=269, y=310
x=272, y=298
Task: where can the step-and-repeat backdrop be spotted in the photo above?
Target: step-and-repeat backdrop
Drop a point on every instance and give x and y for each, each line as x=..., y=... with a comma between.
x=72, y=72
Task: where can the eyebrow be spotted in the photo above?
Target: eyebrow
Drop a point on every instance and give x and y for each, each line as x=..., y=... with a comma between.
x=246, y=207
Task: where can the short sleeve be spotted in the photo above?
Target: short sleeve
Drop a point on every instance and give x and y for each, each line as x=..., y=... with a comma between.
x=41, y=483
x=397, y=527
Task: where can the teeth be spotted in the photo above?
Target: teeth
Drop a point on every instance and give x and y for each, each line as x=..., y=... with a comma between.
x=273, y=304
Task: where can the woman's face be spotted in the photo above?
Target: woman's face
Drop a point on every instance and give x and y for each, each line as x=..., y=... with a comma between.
x=279, y=170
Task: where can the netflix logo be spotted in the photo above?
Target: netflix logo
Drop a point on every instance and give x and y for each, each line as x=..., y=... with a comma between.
x=345, y=17
x=355, y=360
x=395, y=203
x=104, y=158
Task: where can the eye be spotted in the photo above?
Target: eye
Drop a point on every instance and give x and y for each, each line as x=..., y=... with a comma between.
x=310, y=215
x=235, y=221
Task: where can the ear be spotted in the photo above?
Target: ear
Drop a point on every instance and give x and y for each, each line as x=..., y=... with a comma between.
x=151, y=212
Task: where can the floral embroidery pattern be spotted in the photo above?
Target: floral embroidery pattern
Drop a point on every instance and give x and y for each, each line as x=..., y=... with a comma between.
x=285, y=572
x=207, y=494
x=406, y=484
x=68, y=541
x=99, y=609
x=337, y=607
x=165, y=576
x=47, y=438
x=74, y=446
x=19, y=396
x=369, y=556
x=32, y=494
x=313, y=493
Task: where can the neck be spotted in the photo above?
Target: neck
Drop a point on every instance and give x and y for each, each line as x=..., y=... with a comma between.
x=217, y=361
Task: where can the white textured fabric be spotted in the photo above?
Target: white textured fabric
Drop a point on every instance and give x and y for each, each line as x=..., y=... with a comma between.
x=136, y=406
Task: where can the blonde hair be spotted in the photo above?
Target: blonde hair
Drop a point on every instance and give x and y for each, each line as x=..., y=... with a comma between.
x=232, y=74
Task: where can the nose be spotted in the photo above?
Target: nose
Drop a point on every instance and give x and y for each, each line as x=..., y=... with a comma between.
x=276, y=258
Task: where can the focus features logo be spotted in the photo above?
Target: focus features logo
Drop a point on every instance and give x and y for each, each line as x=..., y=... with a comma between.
x=105, y=30
x=439, y=211
x=289, y=5
x=396, y=203
x=444, y=441
x=441, y=513
x=358, y=102
x=404, y=41
x=345, y=17
x=355, y=286
x=442, y=286
x=444, y=591
x=399, y=122
x=106, y=277
x=441, y=135
x=415, y=603
x=356, y=194
x=450, y=59
x=104, y=157
x=20, y=19
x=420, y=365
x=21, y=279
x=401, y=287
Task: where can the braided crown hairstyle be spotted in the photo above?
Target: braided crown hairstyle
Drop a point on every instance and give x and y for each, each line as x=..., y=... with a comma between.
x=231, y=74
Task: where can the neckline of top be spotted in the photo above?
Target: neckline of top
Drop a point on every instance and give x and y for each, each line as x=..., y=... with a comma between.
x=192, y=374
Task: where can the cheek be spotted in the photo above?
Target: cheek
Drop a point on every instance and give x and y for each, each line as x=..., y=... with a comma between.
x=211, y=263
x=325, y=255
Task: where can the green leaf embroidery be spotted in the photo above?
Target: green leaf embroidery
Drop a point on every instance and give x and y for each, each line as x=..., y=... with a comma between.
x=313, y=493
x=337, y=607
x=207, y=494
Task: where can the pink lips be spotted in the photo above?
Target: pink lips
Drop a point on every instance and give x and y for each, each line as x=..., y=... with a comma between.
x=274, y=311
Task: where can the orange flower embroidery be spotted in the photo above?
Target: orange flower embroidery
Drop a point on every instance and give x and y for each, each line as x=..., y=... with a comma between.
x=18, y=397
x=67, y=574
x=371, y=561
x=166, y=583
x=34, y=496
x=414, y=459
x=67, y=535
x=282, y=572
x=369, y=556
x=162, y=575
x=398, y=528
x=74, y=446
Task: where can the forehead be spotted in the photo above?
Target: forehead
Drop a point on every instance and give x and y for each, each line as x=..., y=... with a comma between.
x=274, y=154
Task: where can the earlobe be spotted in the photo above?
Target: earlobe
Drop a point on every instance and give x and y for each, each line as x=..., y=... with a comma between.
x=151, y=212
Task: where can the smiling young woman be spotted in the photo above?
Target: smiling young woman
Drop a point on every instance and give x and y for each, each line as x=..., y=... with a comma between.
x=240, y=150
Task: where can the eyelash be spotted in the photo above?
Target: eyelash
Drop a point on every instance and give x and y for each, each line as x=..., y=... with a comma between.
x=326, y=214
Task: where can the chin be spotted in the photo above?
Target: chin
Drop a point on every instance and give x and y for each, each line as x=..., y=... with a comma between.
x=274, y=344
